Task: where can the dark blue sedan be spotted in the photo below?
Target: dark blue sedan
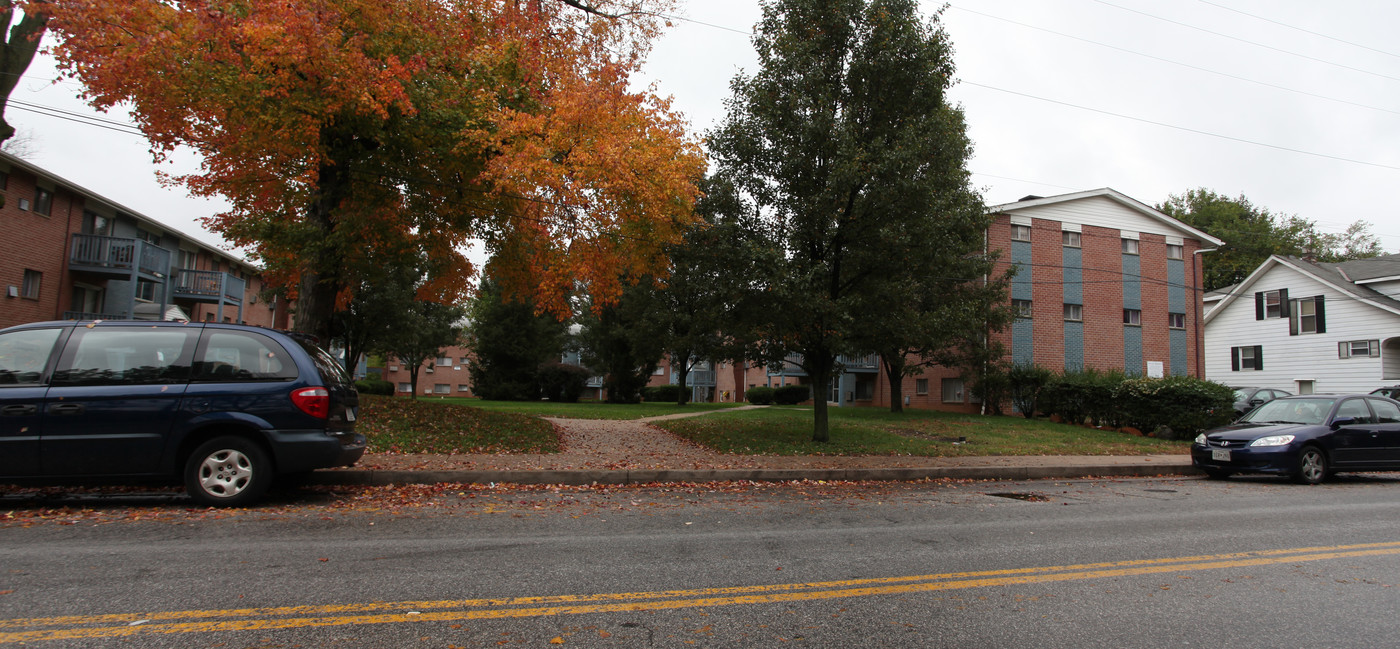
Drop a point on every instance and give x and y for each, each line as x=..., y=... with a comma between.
x=1306, y=437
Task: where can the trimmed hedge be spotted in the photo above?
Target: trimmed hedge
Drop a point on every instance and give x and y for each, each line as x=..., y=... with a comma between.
x=374, y=386
x=791, y=395
x=561, y=382
x=759, y=395
x=662, y=393
x=1175, y=407
x=1025, y=381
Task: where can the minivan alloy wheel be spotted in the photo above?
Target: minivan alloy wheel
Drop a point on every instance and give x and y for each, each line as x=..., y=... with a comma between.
x=228, y=472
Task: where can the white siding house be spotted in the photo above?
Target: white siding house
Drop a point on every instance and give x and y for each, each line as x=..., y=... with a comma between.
x=1308, y=327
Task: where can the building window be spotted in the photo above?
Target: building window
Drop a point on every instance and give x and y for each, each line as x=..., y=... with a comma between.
x=189, y=259
x=921, y=387
x=30, y=286
x=1246, y=358
x=148, y=236
x=1130, y=246
x=1176, y=320
x=444, y=361
x=1271, y=304
x=952, y=391
x=1022, y=308
x=463, y=360
x=146, y=290
x=405, y=387
x=1070, y=239
x=1173, y=251
x=1074, y=312
x=1132, y=317
x=43, y=201
x=1359, y=349
x=442, y=388
x=1020, y=233
x=1307, y=317
x=463, y=387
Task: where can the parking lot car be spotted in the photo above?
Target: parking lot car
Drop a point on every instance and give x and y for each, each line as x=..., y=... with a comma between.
x=223, y=408
x=1306, y=437
x=1392, y=392
x=1247, y=399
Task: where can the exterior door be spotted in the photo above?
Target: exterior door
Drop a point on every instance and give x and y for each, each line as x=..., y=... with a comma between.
x=113, y=398
x=1358, y=443
x=26, y=356
x=1387, y=430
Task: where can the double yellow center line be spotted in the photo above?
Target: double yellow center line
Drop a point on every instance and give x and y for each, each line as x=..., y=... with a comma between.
x=294, y=617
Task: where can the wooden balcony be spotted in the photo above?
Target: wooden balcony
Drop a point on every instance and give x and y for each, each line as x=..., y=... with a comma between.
x=118, y=257
x=209, y=286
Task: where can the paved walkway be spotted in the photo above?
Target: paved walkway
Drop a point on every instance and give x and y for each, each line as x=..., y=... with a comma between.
x=622, y=452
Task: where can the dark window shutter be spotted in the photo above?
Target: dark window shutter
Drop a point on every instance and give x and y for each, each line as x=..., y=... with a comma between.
x=1283, y=307
x=1321, y=315
x=1258, y=357
x=1235, y=359
x=1258, y=306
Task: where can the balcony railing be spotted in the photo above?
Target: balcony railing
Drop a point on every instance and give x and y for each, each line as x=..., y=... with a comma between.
x=118, y=256
x=792, y=365
x=209, y=286
x=86, y=315
x=697, y=378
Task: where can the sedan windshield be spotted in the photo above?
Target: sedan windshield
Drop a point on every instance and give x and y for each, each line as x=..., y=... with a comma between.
x=1312, y=410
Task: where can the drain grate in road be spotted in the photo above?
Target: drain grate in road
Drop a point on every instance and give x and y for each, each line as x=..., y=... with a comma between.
x=1028, y=497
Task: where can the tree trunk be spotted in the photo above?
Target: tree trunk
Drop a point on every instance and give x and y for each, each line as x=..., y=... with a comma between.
x=894, y=372
x=321, y=280
x=681, y=376
x=16, y=56
x=413, y=381
x=821, y=430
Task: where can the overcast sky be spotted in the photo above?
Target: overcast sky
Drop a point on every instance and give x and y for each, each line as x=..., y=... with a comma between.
x=1295, y=105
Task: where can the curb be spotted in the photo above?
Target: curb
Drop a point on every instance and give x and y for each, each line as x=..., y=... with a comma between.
x=645, y=476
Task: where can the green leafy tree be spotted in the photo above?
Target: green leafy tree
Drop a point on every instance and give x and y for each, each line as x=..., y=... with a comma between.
x=509, y=343
x=623, y=341
x=845, y=143
x=423, y=330
x=1252, y=233
x=373, y=315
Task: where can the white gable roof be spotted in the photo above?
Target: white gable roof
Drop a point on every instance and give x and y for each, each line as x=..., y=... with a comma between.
x=1146, y=218
x=1329, y=278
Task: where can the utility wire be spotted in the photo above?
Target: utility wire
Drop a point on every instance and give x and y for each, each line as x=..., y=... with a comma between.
x=1295, y=27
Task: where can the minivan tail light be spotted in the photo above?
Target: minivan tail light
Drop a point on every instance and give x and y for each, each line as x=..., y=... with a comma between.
x=313, y=401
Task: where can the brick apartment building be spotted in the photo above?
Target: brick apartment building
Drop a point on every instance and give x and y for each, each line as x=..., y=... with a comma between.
x=68, y=253
x=1103, y=281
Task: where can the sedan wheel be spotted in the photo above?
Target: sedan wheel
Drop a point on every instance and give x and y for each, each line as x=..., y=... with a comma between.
x=1312, y=466
x=227, y=472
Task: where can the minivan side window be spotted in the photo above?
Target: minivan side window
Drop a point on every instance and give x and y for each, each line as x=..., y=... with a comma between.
x=242, y=356
x=23, y=355
x=124, y=356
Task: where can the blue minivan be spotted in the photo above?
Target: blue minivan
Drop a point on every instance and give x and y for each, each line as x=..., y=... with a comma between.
x=224, y=408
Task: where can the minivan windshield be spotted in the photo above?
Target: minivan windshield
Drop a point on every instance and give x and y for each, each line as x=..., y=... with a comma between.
x=1310, y=410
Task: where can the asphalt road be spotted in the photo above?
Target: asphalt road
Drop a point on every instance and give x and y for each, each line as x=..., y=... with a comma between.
x=1113, y=563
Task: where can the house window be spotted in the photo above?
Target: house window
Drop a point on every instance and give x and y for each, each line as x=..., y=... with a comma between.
x=30, y=287
x=405, y=387
x=952, y=391
x=188, y=259
x=1132, y=317
x=1173, y=251
x=1359, y=349
x=921, y=387
x=1130, y=246
x=43, y=201
x=463, y=387
x=1176, y=320
x=444, y=361
x=1271, y=304
x=146, y=290
x=1020, y=233
x=1307, y=317
x=442, y=388
x=1074, y=312
x=1246, y=358
x=1070, y=239
x=97, y=224
x=1022, y=308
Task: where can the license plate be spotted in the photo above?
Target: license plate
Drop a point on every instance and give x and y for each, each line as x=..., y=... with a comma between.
x=1220, y=455
x=350, y=416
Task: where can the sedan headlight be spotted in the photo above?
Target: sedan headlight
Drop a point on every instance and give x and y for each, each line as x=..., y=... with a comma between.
x=1273, y=440
x=1201, y=439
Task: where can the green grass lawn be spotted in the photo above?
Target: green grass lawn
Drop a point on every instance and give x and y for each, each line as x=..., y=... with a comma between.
x=588, y=409
x=871, y=431
x=401, y=425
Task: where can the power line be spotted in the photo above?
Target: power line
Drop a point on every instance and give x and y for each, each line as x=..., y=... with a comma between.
x=1182, y=128
x=1295, y=27
x=1248, y=42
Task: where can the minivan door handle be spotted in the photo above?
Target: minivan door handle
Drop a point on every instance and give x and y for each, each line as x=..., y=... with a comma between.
x=22, y=410
x=66, y=409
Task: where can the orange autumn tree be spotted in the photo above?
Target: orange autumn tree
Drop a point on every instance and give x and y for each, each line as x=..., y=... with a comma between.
x=351, y=134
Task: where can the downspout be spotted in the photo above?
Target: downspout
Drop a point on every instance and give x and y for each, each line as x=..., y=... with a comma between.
x=986, y=326
x=1200, y=316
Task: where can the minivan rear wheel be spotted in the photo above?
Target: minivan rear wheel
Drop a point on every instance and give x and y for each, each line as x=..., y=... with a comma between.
x=228, y=472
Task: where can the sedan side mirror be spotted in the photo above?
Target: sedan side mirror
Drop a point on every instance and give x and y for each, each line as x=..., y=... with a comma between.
x=1256, y=402
x=1342, y=421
